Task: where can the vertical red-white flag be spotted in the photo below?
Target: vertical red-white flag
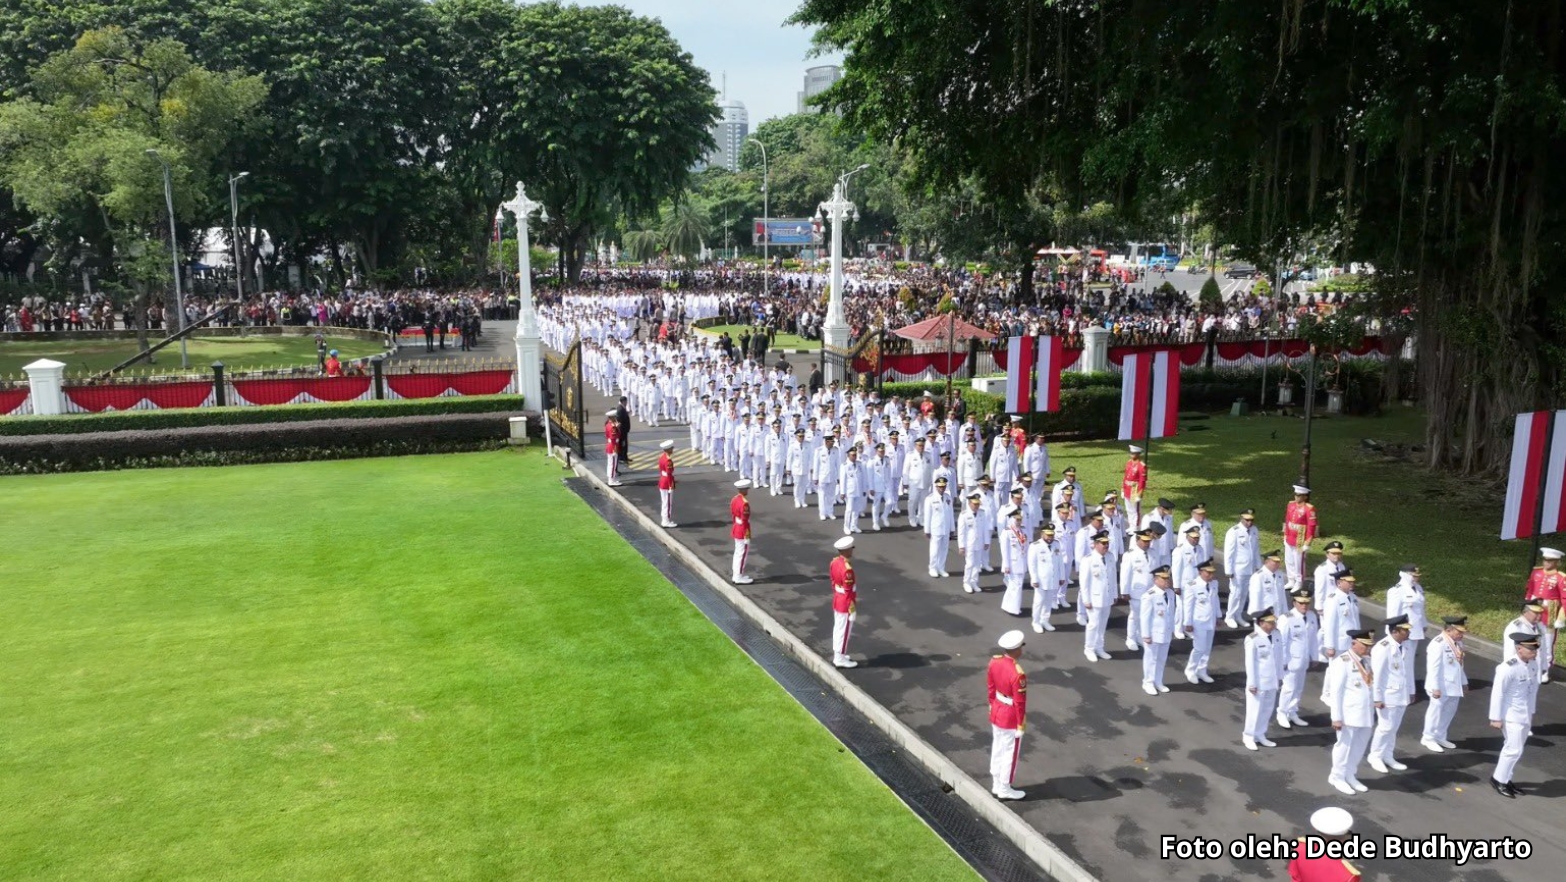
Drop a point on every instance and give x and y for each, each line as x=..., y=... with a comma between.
x=1019, y=374
x=1051, y=363
x=1136, y=384
x=1166, y=393
x=1149, y=395
x=1538, y=467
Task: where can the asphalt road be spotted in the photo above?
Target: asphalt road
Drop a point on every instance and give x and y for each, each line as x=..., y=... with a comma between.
x=1108, y=770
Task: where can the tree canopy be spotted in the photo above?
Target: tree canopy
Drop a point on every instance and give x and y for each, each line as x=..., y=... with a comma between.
x=1417, y=137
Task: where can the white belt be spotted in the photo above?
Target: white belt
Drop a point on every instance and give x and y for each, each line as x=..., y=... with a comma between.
x=839, y=590
x=1004, y=699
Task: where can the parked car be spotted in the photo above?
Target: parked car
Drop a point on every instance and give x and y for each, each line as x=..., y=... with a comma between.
x=1240, y=271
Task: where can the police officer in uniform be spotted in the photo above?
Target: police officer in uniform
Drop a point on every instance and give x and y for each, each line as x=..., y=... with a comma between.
x=1262, y=678
x=1349, y=683
x=1513, y=700
x=1008, y=691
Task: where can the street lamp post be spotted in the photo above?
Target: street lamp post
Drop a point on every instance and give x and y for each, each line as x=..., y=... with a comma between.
x=838, y=210
x=179, y=294
x=530, y=352
x=233, y=206
x=766, y=228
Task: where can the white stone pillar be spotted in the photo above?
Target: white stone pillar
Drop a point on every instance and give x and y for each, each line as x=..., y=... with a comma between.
x=47, y=380
x=834, y=330
x=530, y=370
x=1095, y=350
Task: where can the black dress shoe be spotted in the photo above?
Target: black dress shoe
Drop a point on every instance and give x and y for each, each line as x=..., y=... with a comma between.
x=1503, y=789
x=1513, y=789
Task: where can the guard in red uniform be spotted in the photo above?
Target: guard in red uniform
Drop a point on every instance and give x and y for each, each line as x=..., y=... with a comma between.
x=1331, y=823
x=666, y=484
x=612, y=447
x=1299, y=528
x=1133, y=485
x=739, y=528
x=1008, y=688
x=1548, y=583
x=845, y=601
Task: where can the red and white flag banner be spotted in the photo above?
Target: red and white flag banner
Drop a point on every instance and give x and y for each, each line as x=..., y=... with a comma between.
x=1051, y=364
x=1149, y=395
x=1538, y=467
x=1020, y=355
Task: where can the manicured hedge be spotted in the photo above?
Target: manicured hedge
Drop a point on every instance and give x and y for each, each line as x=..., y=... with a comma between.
x=78, y=423
x=261, y=442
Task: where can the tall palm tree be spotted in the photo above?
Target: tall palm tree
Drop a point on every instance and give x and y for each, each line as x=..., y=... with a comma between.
x=685, y=230
x=643, y=245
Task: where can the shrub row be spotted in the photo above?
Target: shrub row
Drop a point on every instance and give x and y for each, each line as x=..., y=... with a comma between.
x=126, y=420
x=260, y=442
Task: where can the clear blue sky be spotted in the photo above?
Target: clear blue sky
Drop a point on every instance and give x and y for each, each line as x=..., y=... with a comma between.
x=765, y=59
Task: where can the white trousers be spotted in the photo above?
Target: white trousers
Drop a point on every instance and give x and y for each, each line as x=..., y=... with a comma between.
x=1438, y=717
x=972, y=563
x=1201, y=651
x=613, y=467
x=666, y=505
x=1349, y=752
x=881, y=508
x=801, y=491
x=842, y=627
x=1011, y=601
x=1134, y=618
x=940, y=546
x=1043, y=603
x=775, y=476
x=826, y=496
x=851, y=512
x=741, y=552
x=1293, y=564
x=916, y=497
x=1293, y=688
x=1516, y=735
x=1093, y=634
x=1258, y=711
x=1388, y=720
x=1155, y=656
x=696, y=439
x=1005, y=746
x=1240, y=594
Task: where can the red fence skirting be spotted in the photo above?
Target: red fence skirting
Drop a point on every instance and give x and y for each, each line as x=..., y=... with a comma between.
x=95, y=399
x=435, y=385
x=943, y=363
x=11, y=399
x=282, y=391
x=1071, y=357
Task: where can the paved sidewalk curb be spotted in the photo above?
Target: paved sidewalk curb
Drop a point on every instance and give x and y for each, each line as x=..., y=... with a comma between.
x=1032, y=843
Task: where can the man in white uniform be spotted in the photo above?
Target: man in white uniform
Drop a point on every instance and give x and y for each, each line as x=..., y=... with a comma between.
x=936, y=519
x=1513, y=700
x=1162, y=615
x=1268, y=585
x=1445, y=683
x=1262, y=669
x=1201, y=605
x=1136, y=577
x=1014, y=559
x=1298, y=634
x=1241, y=558
x=1392, y=668
x=918, y=475
x=1095, y=593
x=1353, y=708
x=971, y=538
x=1045, y=566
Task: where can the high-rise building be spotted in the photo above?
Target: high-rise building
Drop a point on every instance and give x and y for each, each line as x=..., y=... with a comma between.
x=817, y=80
x=728, y=135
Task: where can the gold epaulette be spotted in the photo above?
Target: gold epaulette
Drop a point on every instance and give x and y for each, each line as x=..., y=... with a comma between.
x=1354, y=871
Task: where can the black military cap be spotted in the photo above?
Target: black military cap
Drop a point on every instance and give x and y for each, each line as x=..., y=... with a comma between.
x=1458, y=622
x=1362, y=636
x=1523, y=638
x=1399, y=622
x=1161, y=571
x=1334, y=545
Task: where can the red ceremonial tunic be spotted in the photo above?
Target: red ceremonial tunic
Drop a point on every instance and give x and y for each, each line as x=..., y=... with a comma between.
x=1008, y=692
x=739, y=515
x=1320, y=869
x=1134, y=484
x=1546, y=585
x=611, y=438
x=665, y=471
x=1019, y=440
x=844, y=594
x=1299, y=524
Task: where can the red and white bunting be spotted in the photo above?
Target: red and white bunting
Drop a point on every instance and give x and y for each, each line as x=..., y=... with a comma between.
x=1019, y=374
x=1149, y=395
x=1051, y=363
x=1538, y=466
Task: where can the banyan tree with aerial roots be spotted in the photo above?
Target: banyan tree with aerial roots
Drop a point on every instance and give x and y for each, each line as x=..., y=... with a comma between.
x=1426, y=138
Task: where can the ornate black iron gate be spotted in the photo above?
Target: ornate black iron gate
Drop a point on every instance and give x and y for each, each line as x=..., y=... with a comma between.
x=563, y=399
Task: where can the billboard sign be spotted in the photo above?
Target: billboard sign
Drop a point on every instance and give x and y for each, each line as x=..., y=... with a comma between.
x=786, y=231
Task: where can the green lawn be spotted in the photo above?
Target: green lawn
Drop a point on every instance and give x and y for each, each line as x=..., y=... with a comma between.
x=780, y=341
x=434, y=668
x=1385, y=513
x=236, y=353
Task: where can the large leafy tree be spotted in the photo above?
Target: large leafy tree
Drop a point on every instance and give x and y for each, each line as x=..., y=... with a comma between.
x=76, y=155
x=1418, y=137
